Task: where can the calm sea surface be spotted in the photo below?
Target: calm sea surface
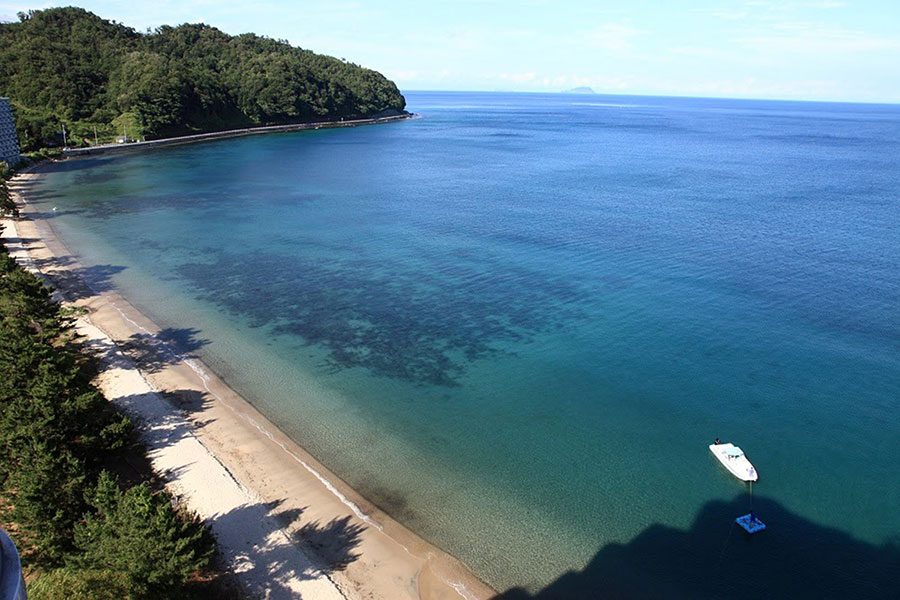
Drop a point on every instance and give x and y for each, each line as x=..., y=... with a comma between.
x=517, y=322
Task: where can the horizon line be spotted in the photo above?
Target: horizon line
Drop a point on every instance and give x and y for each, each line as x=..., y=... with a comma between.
x=639, y=95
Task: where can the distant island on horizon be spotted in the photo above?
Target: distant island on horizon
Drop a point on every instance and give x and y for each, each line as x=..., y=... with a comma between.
x=96, y=79
x=580, y=90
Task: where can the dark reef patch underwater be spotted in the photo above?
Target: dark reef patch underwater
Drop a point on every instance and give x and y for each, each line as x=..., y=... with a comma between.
x=424, y=329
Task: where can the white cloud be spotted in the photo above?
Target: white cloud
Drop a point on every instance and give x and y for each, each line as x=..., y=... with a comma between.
x=402, y=75
x=751, y=87
x=613, y=37
x=730, y=15
x=518, y=77
x=766, y=10
x=9, y=10
x=695, y=51
x=814, y=39
x=826, y=4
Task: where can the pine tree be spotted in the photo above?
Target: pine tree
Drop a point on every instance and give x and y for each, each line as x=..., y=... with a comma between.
x=138, y=532
x=44, y=492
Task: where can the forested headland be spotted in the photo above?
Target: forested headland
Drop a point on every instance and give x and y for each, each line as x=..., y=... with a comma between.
x=66, y=67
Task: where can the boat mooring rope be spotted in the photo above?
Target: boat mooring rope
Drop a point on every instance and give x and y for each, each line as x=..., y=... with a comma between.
x=730, y=530
x=725, y=545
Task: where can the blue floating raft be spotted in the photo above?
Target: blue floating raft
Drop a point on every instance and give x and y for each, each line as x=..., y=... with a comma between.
x=750, y=525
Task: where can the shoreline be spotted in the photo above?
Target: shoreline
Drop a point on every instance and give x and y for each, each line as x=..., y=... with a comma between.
x=351, y=542
x=230, y=133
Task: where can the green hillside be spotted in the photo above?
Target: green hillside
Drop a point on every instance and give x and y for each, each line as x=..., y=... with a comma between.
x=69, y=66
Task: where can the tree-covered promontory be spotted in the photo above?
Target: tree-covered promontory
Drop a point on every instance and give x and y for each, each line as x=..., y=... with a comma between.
x=69, y=67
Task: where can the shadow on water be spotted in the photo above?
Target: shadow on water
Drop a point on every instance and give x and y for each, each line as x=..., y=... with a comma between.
x=73, y=282
x=79, y=283
x=715, y=558
x=80, y=163
x=152, y=352
x=42, y=203
x=32, y=195
x=54, y=212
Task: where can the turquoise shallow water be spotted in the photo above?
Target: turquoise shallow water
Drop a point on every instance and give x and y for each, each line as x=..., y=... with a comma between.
x=516, y=323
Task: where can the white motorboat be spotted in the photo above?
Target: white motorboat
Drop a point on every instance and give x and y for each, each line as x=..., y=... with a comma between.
x=734, y=460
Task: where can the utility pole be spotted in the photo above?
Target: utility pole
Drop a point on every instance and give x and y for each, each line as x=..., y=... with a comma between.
x=96, y=143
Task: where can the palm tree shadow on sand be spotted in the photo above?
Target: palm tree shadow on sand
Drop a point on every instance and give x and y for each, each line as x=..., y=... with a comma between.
x=715, y=558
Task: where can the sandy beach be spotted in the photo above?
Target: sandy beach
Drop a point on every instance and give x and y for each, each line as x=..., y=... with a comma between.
x=286, y=525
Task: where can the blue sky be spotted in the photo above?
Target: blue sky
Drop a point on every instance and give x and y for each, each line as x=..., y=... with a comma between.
x=812, y=50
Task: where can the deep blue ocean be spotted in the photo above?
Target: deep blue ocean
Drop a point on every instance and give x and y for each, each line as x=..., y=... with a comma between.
x=516, y=323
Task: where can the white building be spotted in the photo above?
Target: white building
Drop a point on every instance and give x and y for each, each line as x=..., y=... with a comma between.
x=9, y=142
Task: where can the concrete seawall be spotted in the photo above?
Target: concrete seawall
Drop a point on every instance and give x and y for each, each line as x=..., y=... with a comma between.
x=200, y=137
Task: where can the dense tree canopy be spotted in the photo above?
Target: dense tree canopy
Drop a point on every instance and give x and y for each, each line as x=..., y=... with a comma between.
x=67, y=66
x=135, y=531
